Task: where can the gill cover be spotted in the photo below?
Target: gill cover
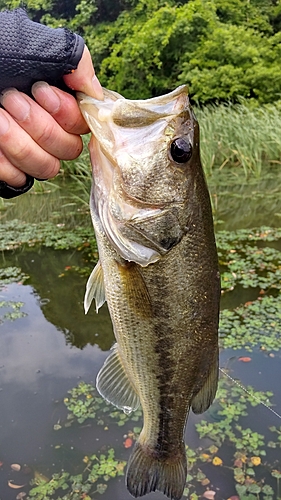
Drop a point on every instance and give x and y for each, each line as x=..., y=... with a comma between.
x=129, y=158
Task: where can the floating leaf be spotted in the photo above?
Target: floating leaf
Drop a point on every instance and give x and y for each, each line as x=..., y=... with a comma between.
x=20, y=495
x=267, y=490
x=276, y=473
x=205, y=481
x=101, y=488
x=217, y=461
x=213, y=448
x=254, y=488
x=16, y=467
x=15, y=486
x=41, y=477
x=128, y=443
x=238, y=463
x=209, y=494
x=256, y=460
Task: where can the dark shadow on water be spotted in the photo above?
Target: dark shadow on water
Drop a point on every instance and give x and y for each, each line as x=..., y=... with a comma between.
x=60, y=294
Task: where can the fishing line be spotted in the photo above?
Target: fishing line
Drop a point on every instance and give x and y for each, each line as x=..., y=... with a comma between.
x=249, y=394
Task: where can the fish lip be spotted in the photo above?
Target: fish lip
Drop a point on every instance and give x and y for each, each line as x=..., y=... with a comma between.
x=168, y=102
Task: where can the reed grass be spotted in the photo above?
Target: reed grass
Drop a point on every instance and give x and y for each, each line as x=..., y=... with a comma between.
x=239, y=138
x=234, y=138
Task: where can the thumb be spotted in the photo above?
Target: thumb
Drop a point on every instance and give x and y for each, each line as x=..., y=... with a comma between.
x=83, y=78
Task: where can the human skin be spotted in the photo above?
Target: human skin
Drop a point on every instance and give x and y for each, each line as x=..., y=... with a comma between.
x=36, y=134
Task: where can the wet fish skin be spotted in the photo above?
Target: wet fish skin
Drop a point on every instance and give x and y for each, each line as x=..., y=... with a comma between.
x=158, y=272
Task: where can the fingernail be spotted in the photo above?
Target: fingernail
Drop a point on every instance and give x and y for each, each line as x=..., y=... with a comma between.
x=46, y=96
x=97, y=88
x=16, y=104
x=4, y=124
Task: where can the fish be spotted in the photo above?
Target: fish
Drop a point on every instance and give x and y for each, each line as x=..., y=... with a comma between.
x=157, y=271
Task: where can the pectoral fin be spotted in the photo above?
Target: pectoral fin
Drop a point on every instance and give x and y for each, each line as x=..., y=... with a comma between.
x=114, y=385
x=95, y=289
x=206, y=395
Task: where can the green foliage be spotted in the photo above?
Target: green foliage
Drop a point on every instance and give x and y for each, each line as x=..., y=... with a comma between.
x=239, y=137
x=11, y=275
x=15, y=233
x=223, y=49
x=84, y=402
x=243, y=263
x=235, y=61
x=13, y=310
x=255, y=324
x=99, y=469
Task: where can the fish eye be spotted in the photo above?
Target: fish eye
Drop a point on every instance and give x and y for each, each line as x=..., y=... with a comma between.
x=181, y=150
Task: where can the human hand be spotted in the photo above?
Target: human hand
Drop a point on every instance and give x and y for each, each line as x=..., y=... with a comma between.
x=35, y=136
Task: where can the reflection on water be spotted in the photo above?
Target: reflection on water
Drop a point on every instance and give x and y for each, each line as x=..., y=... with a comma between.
x=240, y=203
x=61, y=294
x=60, y=202
x=237, y=202
x=37, y=368
x=47, y=352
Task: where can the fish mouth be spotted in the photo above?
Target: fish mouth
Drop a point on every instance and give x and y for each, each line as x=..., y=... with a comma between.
x=127, y=220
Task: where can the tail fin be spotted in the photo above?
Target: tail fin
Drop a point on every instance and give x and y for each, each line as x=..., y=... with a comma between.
x=146, y=473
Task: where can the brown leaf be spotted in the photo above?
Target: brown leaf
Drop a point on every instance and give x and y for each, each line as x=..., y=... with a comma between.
x=15, y=486
x=16, y=467
x=20, y=495
x=205, y=481
x=238, y=463
x=245, y=359
x=209, y=494
x=128, y=442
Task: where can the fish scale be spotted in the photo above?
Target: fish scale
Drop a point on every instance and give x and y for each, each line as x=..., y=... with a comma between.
x=158, y=271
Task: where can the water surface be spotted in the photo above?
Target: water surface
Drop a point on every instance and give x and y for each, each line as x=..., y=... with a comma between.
x=54, y=346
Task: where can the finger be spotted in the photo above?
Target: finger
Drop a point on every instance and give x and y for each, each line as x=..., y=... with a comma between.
x=23, y=152
x=84, y=78
x=61, y=106
x=41, y=126
x=9, y=173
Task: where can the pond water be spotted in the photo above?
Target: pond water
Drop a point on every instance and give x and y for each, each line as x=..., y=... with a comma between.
x=52, y=346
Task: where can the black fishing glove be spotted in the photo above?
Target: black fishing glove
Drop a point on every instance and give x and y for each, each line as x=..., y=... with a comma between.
x=30, y=52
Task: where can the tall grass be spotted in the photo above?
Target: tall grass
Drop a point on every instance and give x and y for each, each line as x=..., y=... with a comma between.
x=234, y=138
x=237, y=137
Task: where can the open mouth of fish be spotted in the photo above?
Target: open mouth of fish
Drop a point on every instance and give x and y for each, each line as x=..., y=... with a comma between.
x=126, y=135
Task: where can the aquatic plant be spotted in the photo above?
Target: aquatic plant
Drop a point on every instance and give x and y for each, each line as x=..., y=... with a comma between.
x=15, y=234
x=11, y=274
x=249, y=259
x=13, y=310
x=84, y=402
x=99, y=469
x=237, y=137
x=254, y=324
x=223, y=425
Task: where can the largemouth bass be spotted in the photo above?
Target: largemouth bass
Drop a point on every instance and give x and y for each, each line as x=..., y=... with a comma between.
x=158, y=272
